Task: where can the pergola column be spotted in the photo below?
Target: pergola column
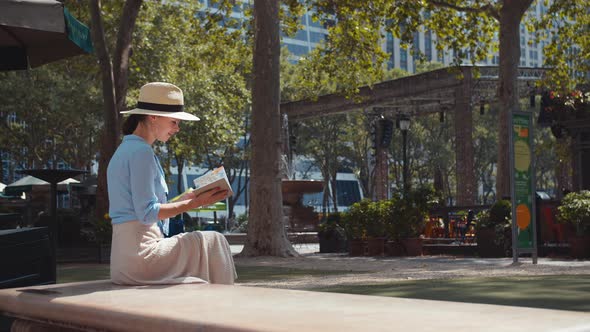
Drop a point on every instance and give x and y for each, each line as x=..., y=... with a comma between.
x=381, y=174
x=464, y=155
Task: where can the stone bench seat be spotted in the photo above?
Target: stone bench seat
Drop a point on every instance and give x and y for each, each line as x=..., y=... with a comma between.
x=101, y=305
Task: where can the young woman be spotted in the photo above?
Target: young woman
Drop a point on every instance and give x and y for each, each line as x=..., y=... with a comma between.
x=140, y=254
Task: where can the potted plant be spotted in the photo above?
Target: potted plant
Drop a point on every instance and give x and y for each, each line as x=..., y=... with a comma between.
x=493, y=230
x=102, y=236
x=411, y=213
x=376, y=221
x=575, y=210
x=355, y=221
x=331, y=235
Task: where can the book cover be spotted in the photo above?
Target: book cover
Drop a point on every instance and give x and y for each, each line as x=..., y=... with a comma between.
x=215, y=178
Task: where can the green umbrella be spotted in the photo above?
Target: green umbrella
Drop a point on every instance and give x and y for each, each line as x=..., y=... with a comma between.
x=219, y=206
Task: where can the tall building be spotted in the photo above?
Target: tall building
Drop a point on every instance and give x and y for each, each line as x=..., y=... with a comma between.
x=531, y=53
x=312, y=33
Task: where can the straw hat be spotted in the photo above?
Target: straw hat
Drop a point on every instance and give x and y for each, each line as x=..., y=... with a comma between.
x=163, y=99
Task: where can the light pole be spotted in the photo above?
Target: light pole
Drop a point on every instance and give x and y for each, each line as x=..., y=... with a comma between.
x=404, y=125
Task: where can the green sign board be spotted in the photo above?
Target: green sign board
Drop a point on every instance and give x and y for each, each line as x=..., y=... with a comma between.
x=78, y=32
x=523, y=181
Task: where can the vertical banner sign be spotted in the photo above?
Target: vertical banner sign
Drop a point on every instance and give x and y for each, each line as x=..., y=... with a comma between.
x=523, y=205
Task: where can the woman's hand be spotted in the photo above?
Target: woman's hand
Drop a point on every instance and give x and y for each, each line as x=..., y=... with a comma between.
x=186, y=196
x=208, y=197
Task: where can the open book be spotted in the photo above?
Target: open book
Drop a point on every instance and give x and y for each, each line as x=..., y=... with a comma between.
x=217, y=178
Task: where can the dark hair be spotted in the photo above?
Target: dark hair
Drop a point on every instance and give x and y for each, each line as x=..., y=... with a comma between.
x=131, y=123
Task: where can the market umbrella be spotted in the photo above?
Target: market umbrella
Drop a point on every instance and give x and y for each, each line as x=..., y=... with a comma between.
x=36, y=32
x=27, y=183
x=219, y=206
x=53, y=177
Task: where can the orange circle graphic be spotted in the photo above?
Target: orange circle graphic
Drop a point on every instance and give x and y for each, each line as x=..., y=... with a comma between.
x=523, y=216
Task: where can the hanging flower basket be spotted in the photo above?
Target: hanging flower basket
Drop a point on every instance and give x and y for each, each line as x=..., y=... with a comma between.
x=560, y=107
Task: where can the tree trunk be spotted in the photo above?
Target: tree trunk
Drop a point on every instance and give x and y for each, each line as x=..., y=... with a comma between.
x=109, y=138
x=266, y=230
x=123, y=50
x=510, y=17
x=180, y=168
x=114, y=82
x=334, y=192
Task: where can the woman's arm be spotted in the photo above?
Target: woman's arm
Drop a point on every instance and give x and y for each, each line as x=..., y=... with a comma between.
x=168, y=210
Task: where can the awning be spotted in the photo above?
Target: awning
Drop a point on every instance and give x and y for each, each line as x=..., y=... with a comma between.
x=36, y=32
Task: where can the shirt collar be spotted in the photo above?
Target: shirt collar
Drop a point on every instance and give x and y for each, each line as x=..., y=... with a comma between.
x=128, y=138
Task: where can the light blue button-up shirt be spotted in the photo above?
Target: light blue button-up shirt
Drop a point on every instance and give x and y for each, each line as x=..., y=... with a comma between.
x=136, y=182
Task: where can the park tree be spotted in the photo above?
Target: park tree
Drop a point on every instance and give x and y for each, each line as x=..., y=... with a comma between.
x=470, y=30
x=266, y=231
x=465, y=27
x=49, y=115
x=564, y=29
x=114, y=71
x=189, y=51
x=208, y=63
x=323, y=140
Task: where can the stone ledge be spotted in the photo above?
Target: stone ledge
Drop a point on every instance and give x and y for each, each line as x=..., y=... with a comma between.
x=100, y=305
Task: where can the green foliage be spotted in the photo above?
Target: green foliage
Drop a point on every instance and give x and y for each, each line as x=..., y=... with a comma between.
x=209, y=63
x=499, y=214
x=50, y=114
x=575, y=209
x=331, y=222
x=101, y=231
x=410, y=212
x=564, y=28
x=242, y=223
x=499, y=219
x=380, y=221
x=356, y=219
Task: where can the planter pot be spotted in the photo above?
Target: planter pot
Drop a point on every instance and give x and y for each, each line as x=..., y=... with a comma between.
x=356, y=248
x=412, y=246
x=486, y=246
x=376, y=246
x=394, y=249
x=579, y=246
x=332, y=241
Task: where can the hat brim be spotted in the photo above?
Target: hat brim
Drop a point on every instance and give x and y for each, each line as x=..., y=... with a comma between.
x=176, y=115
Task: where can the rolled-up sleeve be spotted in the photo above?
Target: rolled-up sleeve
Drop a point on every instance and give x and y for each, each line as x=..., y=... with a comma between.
x=143, y=174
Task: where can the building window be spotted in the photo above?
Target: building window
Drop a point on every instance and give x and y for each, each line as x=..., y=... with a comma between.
x=317, y=37
x=297, y=50
x=428, y=45
x=403, y=59
x=390, y=50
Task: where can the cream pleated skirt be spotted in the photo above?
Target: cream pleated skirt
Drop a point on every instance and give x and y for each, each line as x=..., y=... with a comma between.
x=140, y=255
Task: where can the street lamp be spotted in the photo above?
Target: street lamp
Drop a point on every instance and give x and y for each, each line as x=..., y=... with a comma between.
x=404, y=125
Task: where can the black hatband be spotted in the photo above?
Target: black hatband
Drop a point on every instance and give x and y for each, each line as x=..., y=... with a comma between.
x=159, y=107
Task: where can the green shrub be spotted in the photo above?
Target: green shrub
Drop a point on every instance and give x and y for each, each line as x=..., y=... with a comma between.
x=103, y=229
x=355, y=219
x=242, y=223
x=378, y=218
x=331, y=222
x=575, y=209
x=410, y=212
x=498, y=218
